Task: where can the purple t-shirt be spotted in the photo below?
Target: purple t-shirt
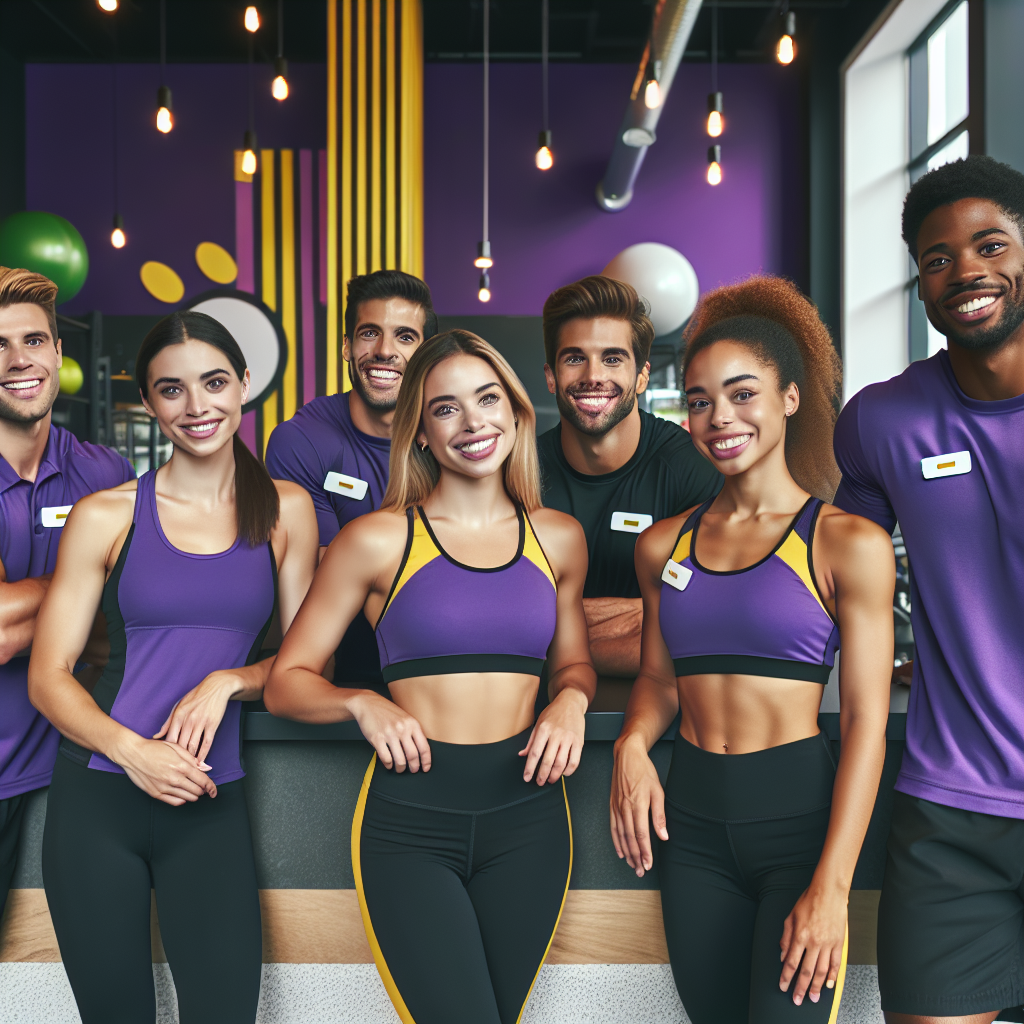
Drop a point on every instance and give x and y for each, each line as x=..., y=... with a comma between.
x=321, y=439
x=70, y=469
x=950, y=470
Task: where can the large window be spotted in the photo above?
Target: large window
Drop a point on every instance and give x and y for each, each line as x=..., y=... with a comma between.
x=939, y=110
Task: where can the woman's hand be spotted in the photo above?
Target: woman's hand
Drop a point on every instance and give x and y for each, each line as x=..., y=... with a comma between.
x=637, y=801
x=164, y=770
x=396, y=736
x=814, y=932
x=556, y=743
x=193, y=721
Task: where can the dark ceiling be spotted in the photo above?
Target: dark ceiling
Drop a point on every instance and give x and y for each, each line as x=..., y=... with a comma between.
x=591, y=31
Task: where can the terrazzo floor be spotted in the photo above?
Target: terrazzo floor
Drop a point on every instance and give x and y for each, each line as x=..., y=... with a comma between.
x=353, y=994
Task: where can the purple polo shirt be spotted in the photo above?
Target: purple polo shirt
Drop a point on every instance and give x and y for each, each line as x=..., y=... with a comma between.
x=964, y=531
x=70, y=469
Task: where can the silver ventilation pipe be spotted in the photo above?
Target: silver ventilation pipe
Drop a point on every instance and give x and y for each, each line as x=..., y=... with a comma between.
x=673, y=23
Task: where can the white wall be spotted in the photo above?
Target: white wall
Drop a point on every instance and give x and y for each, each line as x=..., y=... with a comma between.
x=876, y=268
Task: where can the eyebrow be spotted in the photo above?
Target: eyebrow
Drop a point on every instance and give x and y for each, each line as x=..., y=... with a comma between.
x=177, y=380
x=697, y=389
x=944, y=247
x=452, y=398
x=575, y=350
x=377, y=327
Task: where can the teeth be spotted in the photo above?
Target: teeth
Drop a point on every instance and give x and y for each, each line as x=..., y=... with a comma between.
x=478, y=446
x=379, y=374
x=970, y=307
x=593, y=399
x=201, y=428
x=20, y=385
x=731, y=442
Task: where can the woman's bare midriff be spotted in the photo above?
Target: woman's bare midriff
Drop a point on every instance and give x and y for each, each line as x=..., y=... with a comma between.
x=471, y=707
x=735, y=714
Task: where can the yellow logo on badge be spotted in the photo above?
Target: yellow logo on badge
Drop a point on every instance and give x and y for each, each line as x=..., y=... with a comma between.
x=350, y=486
x=676, y=575
x=953, y=464
x=54, y=516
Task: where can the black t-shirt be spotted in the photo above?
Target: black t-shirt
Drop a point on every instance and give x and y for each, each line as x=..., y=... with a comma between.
x=665, y=476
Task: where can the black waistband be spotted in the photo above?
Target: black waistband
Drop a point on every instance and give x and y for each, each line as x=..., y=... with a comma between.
x=464, y=777
x=780, y=782
x=452, y=664
x=749, y=665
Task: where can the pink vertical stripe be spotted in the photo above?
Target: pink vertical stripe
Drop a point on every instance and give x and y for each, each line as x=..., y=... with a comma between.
x=244, y=245
x=306, y=274
x=322, y=176
x=247, y=431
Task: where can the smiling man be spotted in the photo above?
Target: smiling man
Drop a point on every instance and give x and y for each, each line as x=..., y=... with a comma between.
x=940, y=449
x=337, y=447
x=608, y=464
x=44, y=470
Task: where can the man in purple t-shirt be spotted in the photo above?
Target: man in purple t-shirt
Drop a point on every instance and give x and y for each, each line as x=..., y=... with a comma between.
x=940, y=449
x=337, y=447
x=44, y=470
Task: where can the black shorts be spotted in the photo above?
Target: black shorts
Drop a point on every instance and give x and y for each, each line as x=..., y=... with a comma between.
x=951, y=916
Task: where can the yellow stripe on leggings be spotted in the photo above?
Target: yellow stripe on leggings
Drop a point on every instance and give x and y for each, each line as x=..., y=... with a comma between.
x=836, y=999
x=378, y=957
x=568, y=876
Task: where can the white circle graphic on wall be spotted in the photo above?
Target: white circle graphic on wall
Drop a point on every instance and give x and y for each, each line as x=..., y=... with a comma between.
x=664, y=277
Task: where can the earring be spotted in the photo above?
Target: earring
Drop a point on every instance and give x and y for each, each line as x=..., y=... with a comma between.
x=423, y=447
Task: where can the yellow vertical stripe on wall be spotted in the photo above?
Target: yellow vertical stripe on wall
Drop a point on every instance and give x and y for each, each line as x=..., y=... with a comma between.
x=289, y=388
x=269, y=264
x=344, y=228
x=377, y=148
x=361, y=155
x=331, y=384
x=390, y=152
x=411, y=145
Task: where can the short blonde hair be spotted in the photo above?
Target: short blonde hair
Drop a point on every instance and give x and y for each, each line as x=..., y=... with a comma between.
x=18, y=285
x=414, y=473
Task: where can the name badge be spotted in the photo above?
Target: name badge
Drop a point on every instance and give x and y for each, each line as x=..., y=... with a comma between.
x=955, y=464
x=676, y=575
x=55, y=516
x=350, y=486
x=631, y=522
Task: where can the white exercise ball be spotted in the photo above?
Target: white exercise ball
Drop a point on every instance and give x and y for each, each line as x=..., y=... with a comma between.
x=664, y=277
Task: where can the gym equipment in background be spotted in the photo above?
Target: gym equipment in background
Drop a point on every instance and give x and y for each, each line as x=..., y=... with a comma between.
x=48, y=245
x=664, y=277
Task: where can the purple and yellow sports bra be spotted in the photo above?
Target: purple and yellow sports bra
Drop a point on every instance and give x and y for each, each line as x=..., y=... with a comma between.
x=765, y=620
x=443, y=617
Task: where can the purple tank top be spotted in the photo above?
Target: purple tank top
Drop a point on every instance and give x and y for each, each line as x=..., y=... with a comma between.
x=173, y=618
x=767, y=619
x=442, y=616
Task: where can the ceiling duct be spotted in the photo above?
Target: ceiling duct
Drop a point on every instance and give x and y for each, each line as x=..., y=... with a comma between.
x=673, y=23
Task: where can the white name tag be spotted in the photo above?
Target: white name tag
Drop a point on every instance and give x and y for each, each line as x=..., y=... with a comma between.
x=955, y=464
x=676, y=575
x=55, y=515
x=350, y=486
x=631, y=522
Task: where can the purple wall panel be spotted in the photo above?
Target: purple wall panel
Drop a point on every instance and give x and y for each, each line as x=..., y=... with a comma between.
x=176, y=190
x=546, y=229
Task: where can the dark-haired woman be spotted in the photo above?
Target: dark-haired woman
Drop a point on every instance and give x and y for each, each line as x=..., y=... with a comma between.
x=745, y=600
x=461, y=843
x=187, y=567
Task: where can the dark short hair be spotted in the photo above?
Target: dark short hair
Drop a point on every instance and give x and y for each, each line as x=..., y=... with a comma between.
x=595, y=297
x=389, y=284
x=977, y=177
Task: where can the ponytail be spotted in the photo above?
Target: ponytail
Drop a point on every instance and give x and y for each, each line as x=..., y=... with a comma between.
x=771, y=316
x=257, y=505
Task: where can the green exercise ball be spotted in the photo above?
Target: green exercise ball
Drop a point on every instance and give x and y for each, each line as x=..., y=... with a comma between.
x=71, y=376
x=47, y=244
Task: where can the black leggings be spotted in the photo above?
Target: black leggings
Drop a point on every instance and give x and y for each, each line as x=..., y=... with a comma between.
x=745, y=835
x=462, y=872
x=105, y=844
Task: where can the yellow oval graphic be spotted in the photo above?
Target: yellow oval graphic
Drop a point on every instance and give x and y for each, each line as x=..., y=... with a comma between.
x=161, y=282
x=216, y=262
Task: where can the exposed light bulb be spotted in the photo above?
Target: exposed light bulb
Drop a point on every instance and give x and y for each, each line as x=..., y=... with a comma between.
x=714, y=165
x=109, y=6
x=117, y=236
x=544, y=158
x=252, y=19
x=483, y=259
x=279, y=87
x=785, y=51
x=484, y=295
x=715, y=124
x=164, y=120
x=652, y=94
x=248, y=162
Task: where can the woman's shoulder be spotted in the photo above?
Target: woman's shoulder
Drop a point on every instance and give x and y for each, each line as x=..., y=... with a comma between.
x=844, y=531
x=293, y=497
x=556, y=528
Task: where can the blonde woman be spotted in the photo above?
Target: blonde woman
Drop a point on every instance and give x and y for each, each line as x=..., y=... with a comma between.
x=461, y=843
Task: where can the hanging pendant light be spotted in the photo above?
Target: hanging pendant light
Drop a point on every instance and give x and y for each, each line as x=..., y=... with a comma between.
x=785, y=49
x=715, y=122
x=252, y=19
x=279, y=87
x=117, y=236
x=118, y=239
x=249, y=153
x=544, y=157
x=483, y=250
x=652, y=90
x=107, y=5
x=164, y=117
x=714, y=165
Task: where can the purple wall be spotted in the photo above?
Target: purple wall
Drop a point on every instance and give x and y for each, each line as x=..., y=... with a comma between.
x=176, y=190
x=546, y=228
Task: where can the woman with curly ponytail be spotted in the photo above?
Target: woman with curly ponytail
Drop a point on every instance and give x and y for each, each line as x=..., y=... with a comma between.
x=746, y=599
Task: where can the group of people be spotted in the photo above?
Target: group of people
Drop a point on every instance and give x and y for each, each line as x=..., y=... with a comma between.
x=456, y=585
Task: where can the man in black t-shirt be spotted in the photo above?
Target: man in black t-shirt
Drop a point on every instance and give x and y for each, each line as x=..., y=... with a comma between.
x=611, y=466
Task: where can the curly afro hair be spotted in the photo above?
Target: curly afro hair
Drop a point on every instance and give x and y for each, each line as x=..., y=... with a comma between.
x=782, y=326
x=977, y=177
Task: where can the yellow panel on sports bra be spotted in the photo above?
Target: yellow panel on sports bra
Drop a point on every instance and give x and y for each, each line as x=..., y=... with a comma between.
x=794, y=553
x=683, y=547
x=535, y=553
x=422, y=552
